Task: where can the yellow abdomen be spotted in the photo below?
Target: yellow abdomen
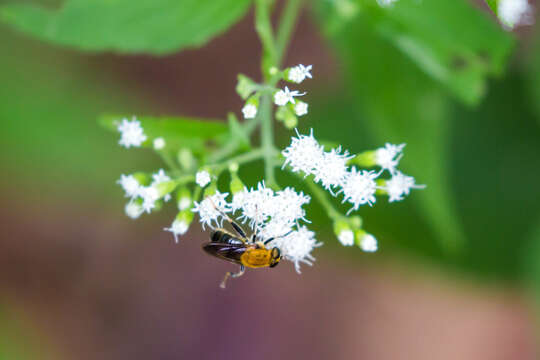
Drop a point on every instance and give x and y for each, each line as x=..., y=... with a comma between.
x=256, y=258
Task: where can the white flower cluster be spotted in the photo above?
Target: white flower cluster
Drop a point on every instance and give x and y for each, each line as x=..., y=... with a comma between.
x=270, y=215
x=148, y=194
x=132, y=133
x=296, y=74
x=330, y=169
x=514, y=12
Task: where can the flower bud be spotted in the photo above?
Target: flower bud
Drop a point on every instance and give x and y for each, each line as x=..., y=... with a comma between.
x=134, y=208
x=344, y=232
x=245, y=86
x=184, y=199
x=186, y=159
x=366, y=159
x=166, y=187
x=365, y=241
x=236, y=184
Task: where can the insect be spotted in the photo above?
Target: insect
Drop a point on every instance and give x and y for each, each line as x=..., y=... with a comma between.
x=241, y=250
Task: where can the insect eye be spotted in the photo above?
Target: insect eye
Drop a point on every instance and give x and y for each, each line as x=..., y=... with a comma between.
x=276, y=253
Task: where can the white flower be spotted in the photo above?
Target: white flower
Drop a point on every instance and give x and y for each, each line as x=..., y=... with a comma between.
x=282, y=97
x=386, y=3
x=250, y=111
x=368, y=243
x=133, y=209
x=287, y=206
x=178, y=227
x=298, y=73
x=149, y=195
x=297, y=246
x=130, y=185
x=359, y=188
x=331, y=170
x=184, y=203
x=388, y=156
x=202, y=178
x=161, y=177
x=132, y=133
x=514, y=12
x=304, y=154
x=301, y=108
x=256, y=205
x=274, y=228
x=400, y=185
x=346, y=237
x=159, y=143
x=209, y=209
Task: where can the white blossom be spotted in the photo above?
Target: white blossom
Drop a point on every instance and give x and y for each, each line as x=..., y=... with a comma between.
x=368, y=243
x=249, y=111
x=178, y=227
x=159, y=143
x=282, y=97
x=130, y=185
x=331, y=170
x=299, y=73
x=514, y=12
x=257, y=205
x=297, y=247
x=210, y=209
x=158, y=178
x=359, y=187
x=301, y=108
x=400, y=185
x=131, y=132
x=303, y=154
x=133, y=209
x=149, y=195
x=388, y=156
x=202, y=178
x=346, y=237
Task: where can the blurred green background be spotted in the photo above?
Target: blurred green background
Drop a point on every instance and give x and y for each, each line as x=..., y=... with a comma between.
x=79, y=280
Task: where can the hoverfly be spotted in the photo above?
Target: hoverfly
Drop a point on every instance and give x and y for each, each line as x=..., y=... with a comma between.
x=241, y=250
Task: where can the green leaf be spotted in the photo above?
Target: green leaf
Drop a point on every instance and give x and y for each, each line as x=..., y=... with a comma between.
x=397, y=103
x=177, y=131
x=151, y=26
x=452, y=42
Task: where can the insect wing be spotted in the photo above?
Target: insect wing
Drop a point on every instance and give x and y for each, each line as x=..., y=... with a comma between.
x=231, y=253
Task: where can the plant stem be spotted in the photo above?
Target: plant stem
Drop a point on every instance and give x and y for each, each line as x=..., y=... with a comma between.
x=240, y=159
x=286, y=26
x=323, y=200
x=267, y=139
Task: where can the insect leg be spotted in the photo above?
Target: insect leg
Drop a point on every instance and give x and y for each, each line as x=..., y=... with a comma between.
x=234, y=225
x=276, y=237
x=233, y=275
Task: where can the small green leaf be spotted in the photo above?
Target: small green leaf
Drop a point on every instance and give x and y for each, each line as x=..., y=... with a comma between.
x=152, y=26
x=177, y=131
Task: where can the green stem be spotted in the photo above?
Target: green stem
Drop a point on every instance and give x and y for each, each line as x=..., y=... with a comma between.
x=169, y=160
x=240, y=159
x=267, y=139
x=286, y=26
x=323, y=199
